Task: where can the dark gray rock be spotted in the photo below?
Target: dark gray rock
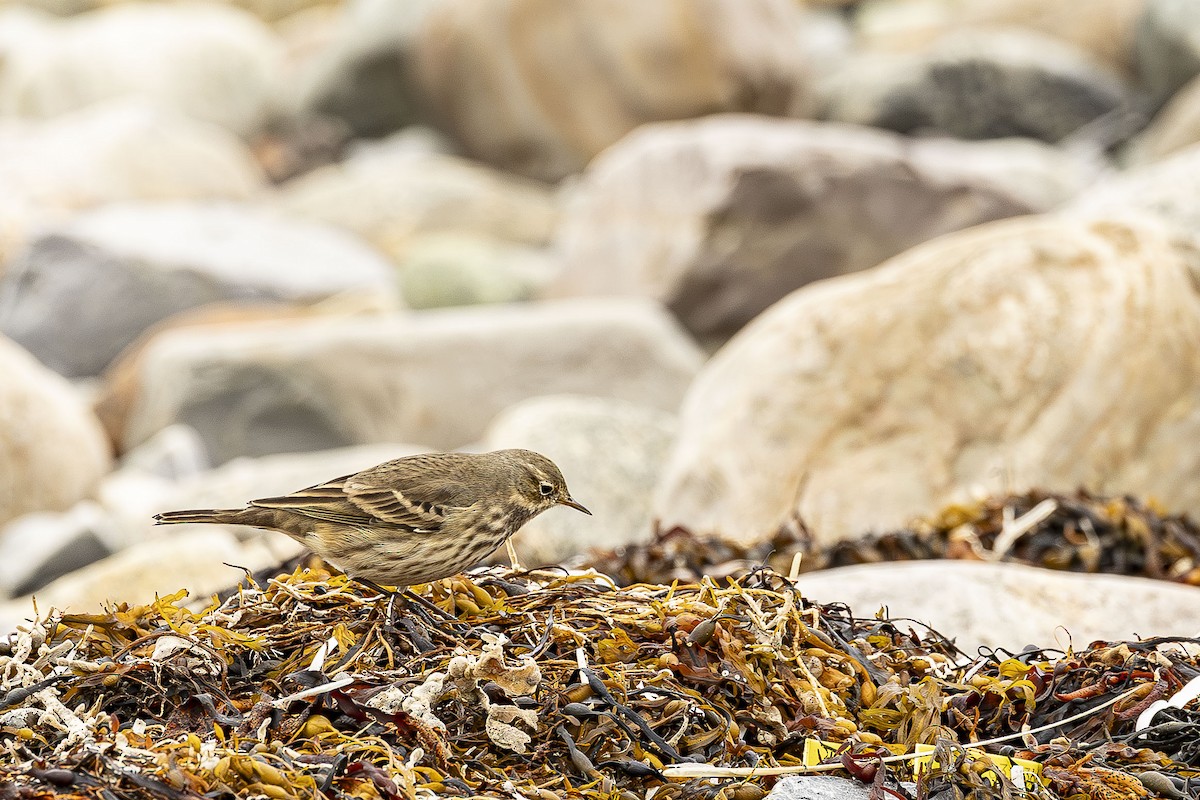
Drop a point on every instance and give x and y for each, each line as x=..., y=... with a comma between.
x=978, y=85
x=87, y=288
x=37, y=548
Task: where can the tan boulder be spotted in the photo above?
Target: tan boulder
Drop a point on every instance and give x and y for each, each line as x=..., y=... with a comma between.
x=52, y=449
x=1050, y=351
x=540, y=87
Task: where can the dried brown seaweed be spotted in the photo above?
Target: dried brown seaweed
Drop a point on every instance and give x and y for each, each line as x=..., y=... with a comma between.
x=549, y=684
x=1080, y=532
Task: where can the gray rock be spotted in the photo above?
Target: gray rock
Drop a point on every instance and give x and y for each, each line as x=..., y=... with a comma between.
x=364, y=77
x=978, y=85
x=719, y=218
x=435, y=378
x=1012, y=605
x=461, y=270
x=819, y=787
x=1167, y=46
x=37, y=548
x=610, y=452
x=89, y=287
x=52, y=449
x=208, y=60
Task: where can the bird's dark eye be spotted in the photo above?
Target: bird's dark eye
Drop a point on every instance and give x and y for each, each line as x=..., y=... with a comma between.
x=546, y=489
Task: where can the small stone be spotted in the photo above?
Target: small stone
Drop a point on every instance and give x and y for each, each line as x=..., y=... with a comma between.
x=460, y=270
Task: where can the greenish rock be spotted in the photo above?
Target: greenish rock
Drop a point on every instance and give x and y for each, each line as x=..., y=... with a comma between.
x=456, y=270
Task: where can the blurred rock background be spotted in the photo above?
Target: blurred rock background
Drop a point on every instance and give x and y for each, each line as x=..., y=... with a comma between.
x=729, y=262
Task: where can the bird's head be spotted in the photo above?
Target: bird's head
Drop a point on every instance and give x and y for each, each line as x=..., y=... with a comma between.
x=539, y=482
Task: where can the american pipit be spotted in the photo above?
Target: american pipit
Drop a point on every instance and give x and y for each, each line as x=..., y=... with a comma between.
x=412, y=520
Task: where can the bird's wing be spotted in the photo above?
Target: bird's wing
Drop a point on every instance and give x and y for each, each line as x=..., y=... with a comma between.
x=421, y=506
x=326, y=501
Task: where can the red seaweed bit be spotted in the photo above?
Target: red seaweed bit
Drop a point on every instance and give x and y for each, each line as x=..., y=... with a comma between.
x=551, y=683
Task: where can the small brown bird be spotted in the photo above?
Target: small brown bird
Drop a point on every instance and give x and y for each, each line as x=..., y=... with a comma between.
x=411, y=520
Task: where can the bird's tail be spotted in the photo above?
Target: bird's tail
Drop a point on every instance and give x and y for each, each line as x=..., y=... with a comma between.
x=217, y=516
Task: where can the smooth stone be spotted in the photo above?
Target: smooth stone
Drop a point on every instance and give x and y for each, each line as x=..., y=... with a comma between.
x=115, y=151
x=980, y=604
x=462, y=270
x=210, y=61
x=434, y=378
x=978, y=84
x=1054, y=352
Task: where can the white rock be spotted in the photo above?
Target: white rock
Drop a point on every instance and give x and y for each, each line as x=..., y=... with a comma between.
x=1012, y=605
x=610, y=452
x=392, y=195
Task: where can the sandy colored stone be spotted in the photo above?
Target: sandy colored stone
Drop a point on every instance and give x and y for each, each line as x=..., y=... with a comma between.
x=434, y=378
x=52, y=449
x=1053, y=352
x=541, y=86
x=718, y=218
x=1012, y=605
x=1165, y=189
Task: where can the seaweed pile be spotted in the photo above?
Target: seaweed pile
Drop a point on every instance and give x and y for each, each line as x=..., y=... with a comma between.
x=1078, y=532
x=545, y=684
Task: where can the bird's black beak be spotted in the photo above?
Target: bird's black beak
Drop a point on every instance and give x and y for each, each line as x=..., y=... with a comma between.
x=577, y=506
